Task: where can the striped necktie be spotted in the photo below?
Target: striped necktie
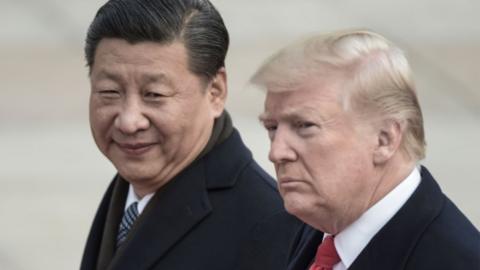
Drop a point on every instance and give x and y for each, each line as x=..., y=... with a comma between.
x=128, y=219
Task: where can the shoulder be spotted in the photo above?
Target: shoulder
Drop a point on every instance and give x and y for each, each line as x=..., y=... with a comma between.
x=253, y=174
x=273, y=231
x=451, y=241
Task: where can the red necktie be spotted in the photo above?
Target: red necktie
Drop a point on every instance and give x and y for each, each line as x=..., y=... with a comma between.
x=327, y=255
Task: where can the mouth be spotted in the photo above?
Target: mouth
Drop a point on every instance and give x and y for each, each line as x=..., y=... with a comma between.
x=289, y=182
x=134, y=149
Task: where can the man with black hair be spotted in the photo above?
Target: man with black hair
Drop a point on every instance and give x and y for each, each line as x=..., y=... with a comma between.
x=188, y=194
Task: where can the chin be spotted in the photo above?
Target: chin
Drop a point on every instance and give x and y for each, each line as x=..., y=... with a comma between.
x=294, y=204
x=135, y=173
x=305, y=210
x=133, y=177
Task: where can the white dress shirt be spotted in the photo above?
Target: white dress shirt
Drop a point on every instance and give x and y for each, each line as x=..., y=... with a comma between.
x=353, y=239
x=132, y=197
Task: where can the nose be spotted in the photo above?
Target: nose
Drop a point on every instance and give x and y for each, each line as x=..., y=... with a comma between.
x=280, y=149
x=131, y=118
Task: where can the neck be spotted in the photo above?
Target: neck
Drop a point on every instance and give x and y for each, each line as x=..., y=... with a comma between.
x=391, y=175
x=388, y=176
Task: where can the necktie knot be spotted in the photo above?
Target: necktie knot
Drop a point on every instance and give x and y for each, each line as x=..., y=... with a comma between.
x=327, y=255
x=126, y=224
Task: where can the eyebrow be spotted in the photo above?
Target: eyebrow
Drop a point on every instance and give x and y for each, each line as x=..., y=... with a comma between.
x=290, y=113
x=156, y=77
x=151, y=77
x=104, y=74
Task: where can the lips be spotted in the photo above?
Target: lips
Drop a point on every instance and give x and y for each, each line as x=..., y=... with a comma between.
x=134, y=149
x=289, y=181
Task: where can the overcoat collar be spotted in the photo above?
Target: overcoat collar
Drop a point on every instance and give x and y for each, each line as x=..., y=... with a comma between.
x=391, y=247
x=225, y=162
x=113, y=217
x=304, y=251
x=180, y=205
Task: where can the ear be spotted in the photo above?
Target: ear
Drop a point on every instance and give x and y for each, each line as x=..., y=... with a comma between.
x=389, y=138
x=217, y=92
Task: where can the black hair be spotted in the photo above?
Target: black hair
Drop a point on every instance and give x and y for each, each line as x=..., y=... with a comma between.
x=195, y=23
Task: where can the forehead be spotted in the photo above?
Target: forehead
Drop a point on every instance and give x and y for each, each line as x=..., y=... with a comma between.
x=116, y=56
x=316, y=95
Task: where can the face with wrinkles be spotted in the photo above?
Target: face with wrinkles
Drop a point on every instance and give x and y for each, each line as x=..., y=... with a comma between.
x=149, y=114
x=321, y=152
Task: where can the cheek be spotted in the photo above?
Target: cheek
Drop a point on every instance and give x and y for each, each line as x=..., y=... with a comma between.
x=101, y=120
x=166, y=123
x=328, y=181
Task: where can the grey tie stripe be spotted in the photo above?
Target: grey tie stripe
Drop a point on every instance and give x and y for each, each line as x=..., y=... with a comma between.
x=128, y=219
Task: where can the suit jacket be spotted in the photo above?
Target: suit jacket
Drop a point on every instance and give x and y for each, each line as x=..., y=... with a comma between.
x=221, y=212
x=428, y=232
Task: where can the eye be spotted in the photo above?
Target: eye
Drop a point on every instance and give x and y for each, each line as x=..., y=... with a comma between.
x=109, y=94
x=153, y=95
x=304, y=124
x=305, y=128
x=271, y=128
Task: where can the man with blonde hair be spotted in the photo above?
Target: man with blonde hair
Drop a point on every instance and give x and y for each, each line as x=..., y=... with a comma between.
x=346, y=133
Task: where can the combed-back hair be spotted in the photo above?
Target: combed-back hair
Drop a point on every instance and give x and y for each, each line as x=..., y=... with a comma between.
x=377, y=78
x=195, y=23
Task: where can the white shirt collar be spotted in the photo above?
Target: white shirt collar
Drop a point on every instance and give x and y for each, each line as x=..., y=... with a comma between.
x=132, y=197
x=353, y=239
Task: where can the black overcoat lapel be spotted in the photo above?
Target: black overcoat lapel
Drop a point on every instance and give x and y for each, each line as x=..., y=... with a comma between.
x=392, y=246
x=171, y=214
x=304, y=251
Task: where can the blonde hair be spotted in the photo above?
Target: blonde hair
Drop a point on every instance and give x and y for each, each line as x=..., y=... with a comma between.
x=377, y=78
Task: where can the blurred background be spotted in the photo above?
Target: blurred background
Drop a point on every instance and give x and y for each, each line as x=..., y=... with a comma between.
x=52, y=176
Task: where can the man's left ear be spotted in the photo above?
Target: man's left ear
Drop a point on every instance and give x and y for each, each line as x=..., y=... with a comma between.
x=217, y=92
x=389, y=138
